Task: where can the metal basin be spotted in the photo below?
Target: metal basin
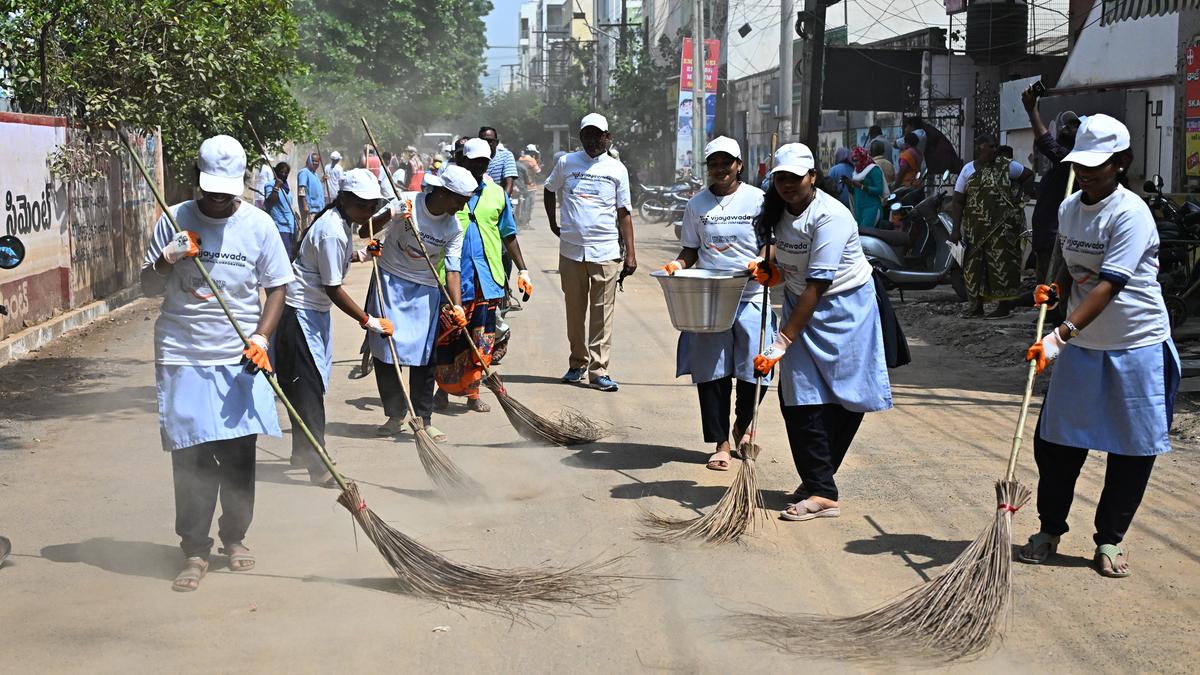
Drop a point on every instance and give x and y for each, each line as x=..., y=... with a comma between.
x=702, y=301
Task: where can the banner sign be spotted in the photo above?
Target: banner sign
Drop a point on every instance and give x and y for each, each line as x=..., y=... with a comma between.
x=683, y=128
x=1191, y=111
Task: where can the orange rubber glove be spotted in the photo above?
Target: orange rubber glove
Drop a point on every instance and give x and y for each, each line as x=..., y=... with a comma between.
x=185, y=245
x=1047, y=295
x=456, y=313
x=764, y=362
x=673, y=266
x=524, y=284
x=378, y=325
x=1045, y=350
x=765, y=273
x=254, y=356
x=374, y=248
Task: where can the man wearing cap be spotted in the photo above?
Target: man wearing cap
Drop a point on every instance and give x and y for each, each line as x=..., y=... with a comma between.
x=411, y=296
x=503, y=167
x=333, y=176
x=489, y=231
x=304, y=341
x=596, y=247
x=310, y=194
x=211, y=404
x=278, y=203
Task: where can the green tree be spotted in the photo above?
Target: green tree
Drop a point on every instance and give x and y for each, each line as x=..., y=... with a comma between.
x=194, y=69
x=399, y=63
x=641, y=117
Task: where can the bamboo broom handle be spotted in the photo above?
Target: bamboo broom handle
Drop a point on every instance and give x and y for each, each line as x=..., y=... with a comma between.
x=1018, y=437
x=295, y=416
x=762, y=339
x=412, y=227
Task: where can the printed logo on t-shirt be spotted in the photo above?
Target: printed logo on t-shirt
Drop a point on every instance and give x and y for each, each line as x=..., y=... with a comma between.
x=722, y=243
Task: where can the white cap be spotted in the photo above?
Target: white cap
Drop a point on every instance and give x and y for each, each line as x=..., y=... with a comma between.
x=1097, y=139
x=335, y=155
x=723, y=144
x=594, y=120
x=531, y=148
x=476, y=148
x=455, y=179
x=794, y=158
x=362, y=183
x=222, y=165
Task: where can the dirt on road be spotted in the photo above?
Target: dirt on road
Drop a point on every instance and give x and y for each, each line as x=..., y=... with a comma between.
x=86, y=497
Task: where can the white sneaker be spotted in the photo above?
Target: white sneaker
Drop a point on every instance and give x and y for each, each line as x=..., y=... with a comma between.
x=393, y=426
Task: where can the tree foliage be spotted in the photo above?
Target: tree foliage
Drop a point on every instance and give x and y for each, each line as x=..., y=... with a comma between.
x=399, y=63
x=194, y=69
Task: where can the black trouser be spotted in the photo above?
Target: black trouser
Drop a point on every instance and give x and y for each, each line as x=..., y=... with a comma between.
x=819, y=436
x=714, y=407
x=202, y=472
x=1125, y=480
x=302, y=383
x=420, y=390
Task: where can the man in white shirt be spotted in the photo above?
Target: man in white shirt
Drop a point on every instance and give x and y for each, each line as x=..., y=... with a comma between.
x=596, y=247
x=333, y=176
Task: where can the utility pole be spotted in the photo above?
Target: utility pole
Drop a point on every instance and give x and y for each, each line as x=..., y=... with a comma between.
x=787, y=65
x=624, y=28
x=813, y=20
x=699, y=119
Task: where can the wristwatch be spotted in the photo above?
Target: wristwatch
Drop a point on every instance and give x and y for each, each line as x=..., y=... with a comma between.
x=1072, y=331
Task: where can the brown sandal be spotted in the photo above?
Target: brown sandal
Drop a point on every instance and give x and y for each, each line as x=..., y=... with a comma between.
x=716, y=463
x=189, y=577
x=241, y=561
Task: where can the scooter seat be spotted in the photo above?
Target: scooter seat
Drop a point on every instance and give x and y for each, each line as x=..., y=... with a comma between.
x=889, y=237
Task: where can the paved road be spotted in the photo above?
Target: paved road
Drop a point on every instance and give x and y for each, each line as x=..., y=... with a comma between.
x=85, y=495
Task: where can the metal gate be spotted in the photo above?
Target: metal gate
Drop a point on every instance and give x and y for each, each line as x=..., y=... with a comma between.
x=947, y=115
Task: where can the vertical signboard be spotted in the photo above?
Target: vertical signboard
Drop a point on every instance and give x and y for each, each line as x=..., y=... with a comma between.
x=683, y=129
x=1191, y=111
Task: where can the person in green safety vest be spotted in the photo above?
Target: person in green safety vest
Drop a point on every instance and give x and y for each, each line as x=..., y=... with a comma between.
x=489, y=230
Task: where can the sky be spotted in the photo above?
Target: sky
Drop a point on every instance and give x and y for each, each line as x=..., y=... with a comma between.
x=502, y=28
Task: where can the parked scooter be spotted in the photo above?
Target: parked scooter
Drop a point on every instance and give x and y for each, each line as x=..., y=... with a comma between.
x=1179, y=238
x=915, y=256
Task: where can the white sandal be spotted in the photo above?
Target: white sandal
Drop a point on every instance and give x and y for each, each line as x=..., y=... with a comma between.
x=808, y=510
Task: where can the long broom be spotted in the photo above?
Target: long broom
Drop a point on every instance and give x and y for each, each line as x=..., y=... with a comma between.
x=423, y=571
x=567, y=427
x=956, y=615
x=438, y=466
x=738, y=509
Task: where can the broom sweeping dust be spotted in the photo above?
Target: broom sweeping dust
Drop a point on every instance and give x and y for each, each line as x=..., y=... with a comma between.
x=956, y=615
x=738, y=509
x=421, y=570
x=567, y=427
x=437, y=464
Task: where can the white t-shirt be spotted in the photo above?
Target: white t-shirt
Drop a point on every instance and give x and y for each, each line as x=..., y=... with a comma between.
x=443, y=237
x=722, y=231
x=1015, y=169
x=1118, y=239
x=821, y=244
x=242, y=254
x=332, y=181
x=323, y=260
x=266, y=176
x=589, y=193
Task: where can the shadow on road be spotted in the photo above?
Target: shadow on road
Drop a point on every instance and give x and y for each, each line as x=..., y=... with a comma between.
x=686, y=493
x=131, y=558
x=615, y=455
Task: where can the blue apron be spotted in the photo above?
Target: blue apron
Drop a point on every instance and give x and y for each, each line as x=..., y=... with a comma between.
x=413, y=310
x=715, y=356
x=318, y=334
x=1118, y=400
x=199, y=404
x=839, y=356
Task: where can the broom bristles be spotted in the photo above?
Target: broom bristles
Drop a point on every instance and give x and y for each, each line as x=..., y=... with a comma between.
x=567, y=427
x=441, y=469
x=956, y=615
x=734, y=515
x=426, y=573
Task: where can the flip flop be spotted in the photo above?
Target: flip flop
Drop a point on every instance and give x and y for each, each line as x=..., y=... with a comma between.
x=810, y=510
x=238, y=561
x=189, y=577
x=1036, y=542
x=715, y=464
x=1110, y=551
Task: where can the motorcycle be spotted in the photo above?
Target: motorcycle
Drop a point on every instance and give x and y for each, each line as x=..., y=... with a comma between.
x=1179, y=237
x=668, y=204
x=916, y=256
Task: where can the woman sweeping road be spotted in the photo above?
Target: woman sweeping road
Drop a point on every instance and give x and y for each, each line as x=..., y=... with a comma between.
x=830, y=348
x=304, y=342
x=211, y=409
x=718, y=234
x=411, y=295
x=1117, y=372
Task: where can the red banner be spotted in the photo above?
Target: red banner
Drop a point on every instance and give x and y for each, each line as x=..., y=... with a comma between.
x=712, y=53
x=1191, y=111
